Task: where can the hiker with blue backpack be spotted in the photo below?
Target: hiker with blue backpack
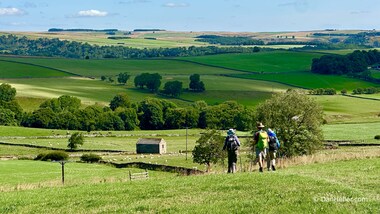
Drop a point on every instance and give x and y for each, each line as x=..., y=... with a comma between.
x=261, y=139
x=273, y=146
x=231, y=144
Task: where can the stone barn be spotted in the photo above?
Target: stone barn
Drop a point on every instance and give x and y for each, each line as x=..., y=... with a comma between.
x=151, y=146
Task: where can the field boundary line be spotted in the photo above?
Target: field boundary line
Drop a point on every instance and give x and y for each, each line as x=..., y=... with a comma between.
x=214, y=66
x=66, y=150
x=359, y=97
x=156, y=167
x=40, y=66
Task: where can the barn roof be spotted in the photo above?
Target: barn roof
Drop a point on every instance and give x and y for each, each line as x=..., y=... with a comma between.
x=150, y=140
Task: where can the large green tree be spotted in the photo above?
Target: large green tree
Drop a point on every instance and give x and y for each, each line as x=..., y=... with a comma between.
x=129, y=117
x=120, y=100
x=75, y=140
x=7, y=117
x=208, y=149
x=227, y=115
x=123, y=77
x=62, y=103
x=178, y=118
x=7, y=93
x=151, y=81
x=297, y=120
x=195, y=83
x=173, y=88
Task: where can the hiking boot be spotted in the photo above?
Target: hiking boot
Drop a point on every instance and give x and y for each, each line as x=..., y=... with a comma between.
x=273, y=168
x=261, y=169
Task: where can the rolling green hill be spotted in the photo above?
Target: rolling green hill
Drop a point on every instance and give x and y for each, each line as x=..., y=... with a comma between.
x=222, y=75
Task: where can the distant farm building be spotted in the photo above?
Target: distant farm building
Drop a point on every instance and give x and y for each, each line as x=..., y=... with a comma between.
x=151, y=145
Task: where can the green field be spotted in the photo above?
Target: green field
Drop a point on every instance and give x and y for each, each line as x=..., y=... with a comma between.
x=112, y=67
x=221, y=83
x=375, y=74
x=310, y=80
x=266, y=62
x=11, y=69
x=339, y=108
x=93, y=189
x=358, y=132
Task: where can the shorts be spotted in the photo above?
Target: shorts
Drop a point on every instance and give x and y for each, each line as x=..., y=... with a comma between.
x=272, y=155
x=261, y=153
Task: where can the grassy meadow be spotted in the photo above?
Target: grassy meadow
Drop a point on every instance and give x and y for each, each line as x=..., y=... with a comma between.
x=94, y=189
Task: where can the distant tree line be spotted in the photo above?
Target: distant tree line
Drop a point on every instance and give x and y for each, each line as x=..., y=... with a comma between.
x=66, y=112
x=229, y=40
x=153, y=82
x=144, y=30
x=150, y=114
x=11, y=44
x=353, y=63
x=118, y=37
x=289, y=42
x=322, y=91
x=370, y=90
x=361, y=38
x=81, y=30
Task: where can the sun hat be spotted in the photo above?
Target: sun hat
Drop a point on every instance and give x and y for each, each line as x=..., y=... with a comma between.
x=260, y=125
x=230, y=132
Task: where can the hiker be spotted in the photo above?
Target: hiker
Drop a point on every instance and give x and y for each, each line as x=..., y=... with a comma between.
x=274, y=145
x=261, y=145
x=232, y=145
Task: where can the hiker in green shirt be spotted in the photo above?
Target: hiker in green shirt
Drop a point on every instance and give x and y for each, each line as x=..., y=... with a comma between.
x=261, y=145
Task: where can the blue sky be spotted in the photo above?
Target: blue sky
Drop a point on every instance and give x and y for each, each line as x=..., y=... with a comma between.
x=190, y=15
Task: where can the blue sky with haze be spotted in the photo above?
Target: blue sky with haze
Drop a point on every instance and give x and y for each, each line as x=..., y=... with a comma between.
x=190, y=15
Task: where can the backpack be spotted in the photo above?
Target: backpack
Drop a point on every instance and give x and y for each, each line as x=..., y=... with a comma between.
x=263, y=140
x=232, y=145
x=273, y=143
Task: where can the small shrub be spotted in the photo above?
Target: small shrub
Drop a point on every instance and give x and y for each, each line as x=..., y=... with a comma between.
x=40, y=156
x=377, y=137
x=90, y=158
x=54, y=156
x=24, y=158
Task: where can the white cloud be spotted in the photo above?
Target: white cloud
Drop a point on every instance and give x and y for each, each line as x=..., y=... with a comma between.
x=176, y=5
x=91, y=13
x=11, y=11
